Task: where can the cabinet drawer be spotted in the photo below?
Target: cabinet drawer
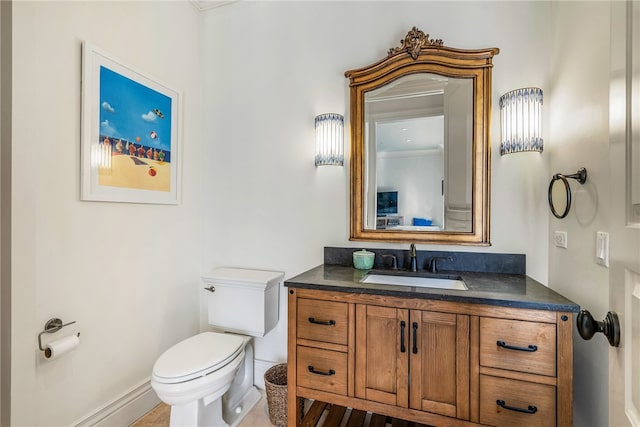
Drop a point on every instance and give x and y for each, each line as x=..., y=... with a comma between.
x=324, y=321
x=537, y=400
x=514, y=352
x=322, y=369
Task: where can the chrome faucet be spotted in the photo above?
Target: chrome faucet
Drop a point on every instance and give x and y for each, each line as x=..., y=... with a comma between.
x=413, y=258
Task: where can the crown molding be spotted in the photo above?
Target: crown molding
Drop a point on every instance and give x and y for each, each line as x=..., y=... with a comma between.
x=204, y=5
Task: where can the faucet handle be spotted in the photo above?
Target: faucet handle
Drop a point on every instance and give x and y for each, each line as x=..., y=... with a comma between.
x=433, y=263
x=394, y=261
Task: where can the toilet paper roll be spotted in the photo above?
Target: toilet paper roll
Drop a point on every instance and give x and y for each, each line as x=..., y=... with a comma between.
x=62, y=346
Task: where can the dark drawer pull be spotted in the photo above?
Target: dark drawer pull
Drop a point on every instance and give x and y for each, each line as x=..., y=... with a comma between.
x=320, y=322
x=313, y=371
x=531, y=347
x=402, y=346
x=530, y=410
x=415, y=338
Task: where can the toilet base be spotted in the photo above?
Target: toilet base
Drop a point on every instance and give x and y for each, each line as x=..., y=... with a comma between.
x=197, y=414
x=212, y=415
x=233, y=416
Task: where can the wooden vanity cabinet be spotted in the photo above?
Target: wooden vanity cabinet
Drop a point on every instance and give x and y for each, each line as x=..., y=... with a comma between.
x=430, y=361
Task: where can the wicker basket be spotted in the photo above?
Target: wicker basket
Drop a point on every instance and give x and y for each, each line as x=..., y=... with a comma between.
x=275, y=380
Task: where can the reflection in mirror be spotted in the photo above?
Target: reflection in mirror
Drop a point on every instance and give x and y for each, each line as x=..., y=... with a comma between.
x=559, y=197
x=420, y=152
x=418, y=134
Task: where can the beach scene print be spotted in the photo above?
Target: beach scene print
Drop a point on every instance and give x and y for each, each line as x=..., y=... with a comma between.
x=134, y=147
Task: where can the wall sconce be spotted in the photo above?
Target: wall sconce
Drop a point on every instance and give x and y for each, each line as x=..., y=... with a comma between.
x=521, y=121
x=329, y=139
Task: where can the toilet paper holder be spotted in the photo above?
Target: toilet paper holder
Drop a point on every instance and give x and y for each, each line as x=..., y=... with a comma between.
x=53, y=325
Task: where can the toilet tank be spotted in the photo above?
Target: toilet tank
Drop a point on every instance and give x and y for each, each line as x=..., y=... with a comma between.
x=242, y=300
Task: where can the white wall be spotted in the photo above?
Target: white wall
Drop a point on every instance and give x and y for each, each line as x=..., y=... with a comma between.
x=127, y=273
x=416, y=176
x=579, y=125
x=270, y=67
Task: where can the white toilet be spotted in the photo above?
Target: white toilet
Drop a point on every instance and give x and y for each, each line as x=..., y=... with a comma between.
x=208, y=378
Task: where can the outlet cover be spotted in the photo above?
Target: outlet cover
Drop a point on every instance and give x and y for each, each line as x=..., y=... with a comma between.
x=560, y=239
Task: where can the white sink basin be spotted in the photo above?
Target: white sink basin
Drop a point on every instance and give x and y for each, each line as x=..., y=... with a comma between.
x=422, y=282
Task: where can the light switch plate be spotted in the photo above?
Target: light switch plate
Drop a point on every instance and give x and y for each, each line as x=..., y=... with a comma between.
x=602, y=248
x=560, y=239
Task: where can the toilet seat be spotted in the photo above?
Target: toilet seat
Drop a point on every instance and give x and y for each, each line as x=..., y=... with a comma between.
x=196, y=357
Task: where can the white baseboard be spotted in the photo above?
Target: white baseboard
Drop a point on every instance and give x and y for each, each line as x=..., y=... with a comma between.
x=259, y=368
x=141, y=399
x=124, y=410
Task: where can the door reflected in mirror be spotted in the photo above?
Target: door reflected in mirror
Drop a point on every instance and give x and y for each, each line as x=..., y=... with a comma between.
x=419, y=140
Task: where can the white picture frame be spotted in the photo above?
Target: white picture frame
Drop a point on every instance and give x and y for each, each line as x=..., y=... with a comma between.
x=131, y=148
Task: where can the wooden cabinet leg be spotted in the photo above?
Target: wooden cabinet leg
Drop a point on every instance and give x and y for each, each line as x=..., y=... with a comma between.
x=295, y=410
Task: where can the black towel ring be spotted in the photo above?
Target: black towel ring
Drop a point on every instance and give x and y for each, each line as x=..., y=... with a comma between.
x=580, y=176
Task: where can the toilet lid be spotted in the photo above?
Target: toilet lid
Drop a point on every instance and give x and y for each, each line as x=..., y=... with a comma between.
x=197, y=356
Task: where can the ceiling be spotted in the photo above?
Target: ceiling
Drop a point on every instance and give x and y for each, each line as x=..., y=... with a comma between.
x=411, y=134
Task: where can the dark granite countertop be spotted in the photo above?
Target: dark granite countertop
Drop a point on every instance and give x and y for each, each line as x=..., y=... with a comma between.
x=509, y=290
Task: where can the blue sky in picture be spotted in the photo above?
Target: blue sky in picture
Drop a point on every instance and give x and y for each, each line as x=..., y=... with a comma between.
x=133, y=112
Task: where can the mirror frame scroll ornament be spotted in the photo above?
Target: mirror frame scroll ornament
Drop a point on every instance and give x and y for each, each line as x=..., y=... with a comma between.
x=420, y=54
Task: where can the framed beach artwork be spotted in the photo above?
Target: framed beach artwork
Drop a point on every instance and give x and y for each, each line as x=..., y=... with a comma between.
x=130, y=133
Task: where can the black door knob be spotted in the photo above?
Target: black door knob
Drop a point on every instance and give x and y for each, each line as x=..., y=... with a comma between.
x=610, y=327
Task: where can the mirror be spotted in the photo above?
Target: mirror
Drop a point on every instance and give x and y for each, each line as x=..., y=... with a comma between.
x=559, y=197
x=420, y=152
x=405, y=131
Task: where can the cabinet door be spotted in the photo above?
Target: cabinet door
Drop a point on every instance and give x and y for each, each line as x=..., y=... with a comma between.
x=382, y=359
x=439, y=363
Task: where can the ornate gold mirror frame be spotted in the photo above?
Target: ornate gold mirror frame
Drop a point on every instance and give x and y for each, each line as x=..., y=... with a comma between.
x=419, y=54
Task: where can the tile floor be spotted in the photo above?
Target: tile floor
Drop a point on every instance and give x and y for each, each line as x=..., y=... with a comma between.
x=159, y=416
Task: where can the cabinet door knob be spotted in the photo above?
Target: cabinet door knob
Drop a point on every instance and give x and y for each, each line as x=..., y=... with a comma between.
x=402, y=346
